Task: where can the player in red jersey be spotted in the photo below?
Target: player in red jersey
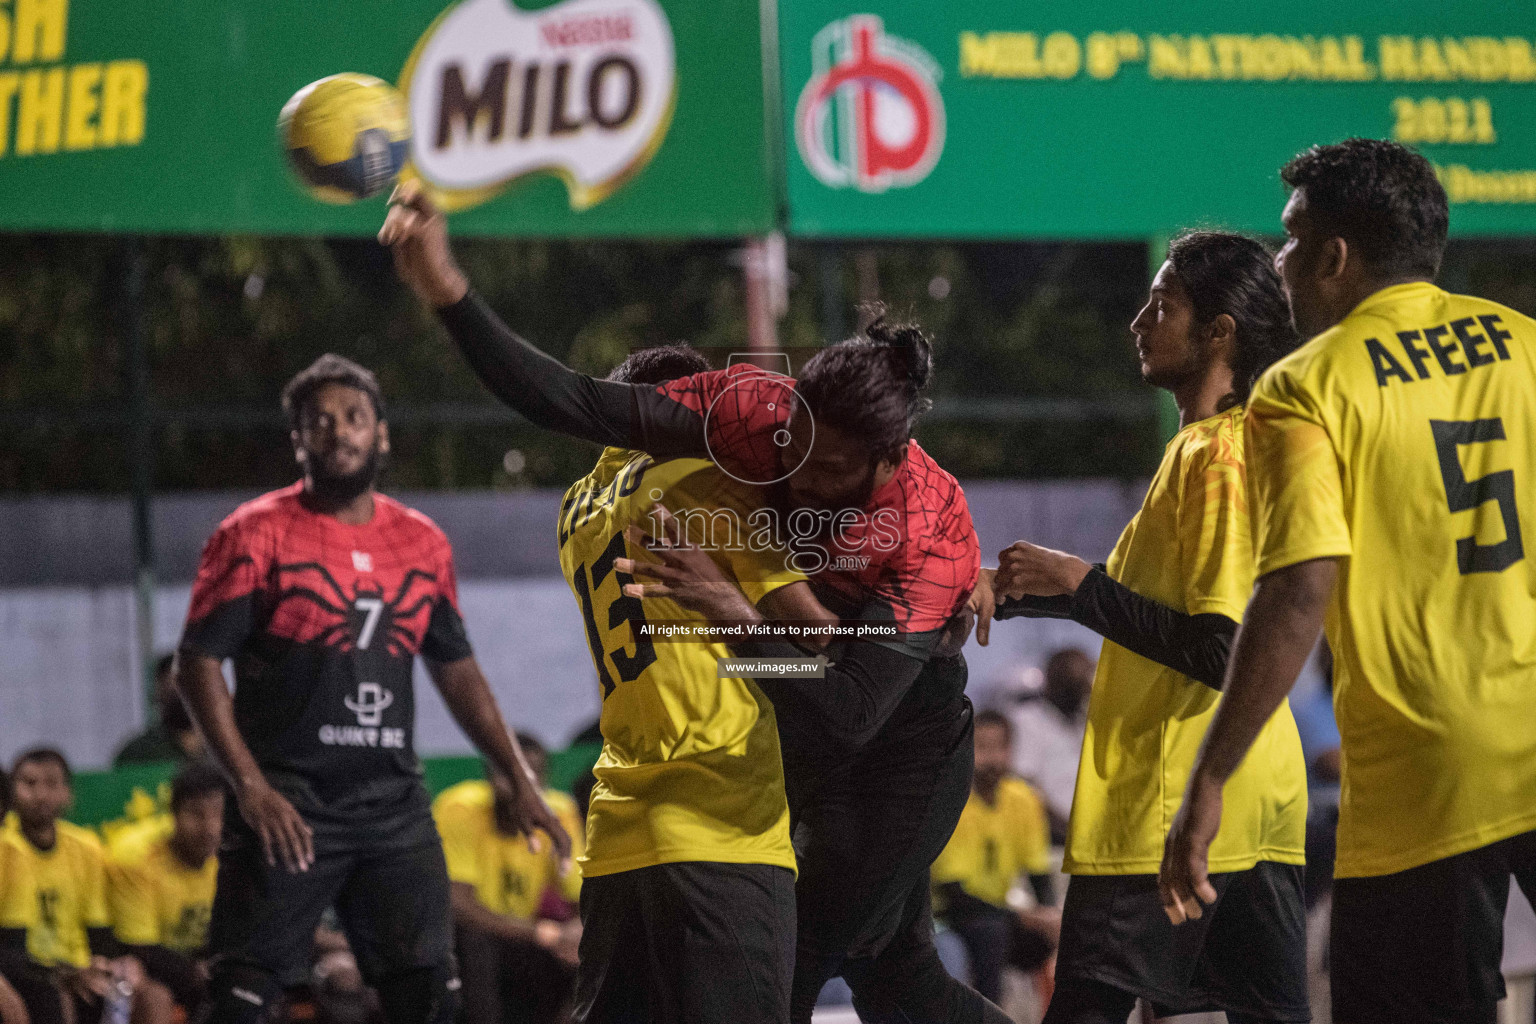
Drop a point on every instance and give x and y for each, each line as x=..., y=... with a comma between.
x=877, y=756
x=324, y=593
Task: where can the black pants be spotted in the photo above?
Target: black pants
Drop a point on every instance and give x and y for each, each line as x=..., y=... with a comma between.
x=1246, y=955
x=507, y=982
x=43, y=1000
x=1080, y=1001
x=867, y=828
x=1423, y=946
x=387, y=879
x=995, y=940
x=689, y=943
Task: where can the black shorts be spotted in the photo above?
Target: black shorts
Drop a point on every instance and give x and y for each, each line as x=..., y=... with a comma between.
x=689, y=943
x=1424, y=945
x=1247, y=954
x=384, y=874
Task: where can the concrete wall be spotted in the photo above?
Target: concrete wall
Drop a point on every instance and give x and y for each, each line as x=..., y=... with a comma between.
x=67, y=630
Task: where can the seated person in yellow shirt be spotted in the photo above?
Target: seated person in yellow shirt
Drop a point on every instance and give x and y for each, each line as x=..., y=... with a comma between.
x=12, y=1009
x=160, y=886
x=65, y=930
x=516, y=963
x=1003, y=833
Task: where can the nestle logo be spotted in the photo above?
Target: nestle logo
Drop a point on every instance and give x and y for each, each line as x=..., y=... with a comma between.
x=617, y=28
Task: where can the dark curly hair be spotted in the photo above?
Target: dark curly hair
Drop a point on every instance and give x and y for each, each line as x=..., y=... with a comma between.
x=197, y=779
x=872, y=385
x=329, y=369
x=1235, y=275
x=1381, y=197
x=659, y=364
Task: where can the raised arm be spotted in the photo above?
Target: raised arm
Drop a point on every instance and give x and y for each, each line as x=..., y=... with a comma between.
x=535, y=385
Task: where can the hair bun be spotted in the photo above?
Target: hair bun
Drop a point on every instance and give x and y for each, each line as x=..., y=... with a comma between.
x=911, y=349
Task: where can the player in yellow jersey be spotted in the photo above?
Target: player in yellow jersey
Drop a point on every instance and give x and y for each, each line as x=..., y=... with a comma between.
x=160, y=886
x=516, y=963
x=1168, y=603
x=13, y=1008
x=67, y=927
x=1391, y=463
x=1002, y=834
x=687, y=899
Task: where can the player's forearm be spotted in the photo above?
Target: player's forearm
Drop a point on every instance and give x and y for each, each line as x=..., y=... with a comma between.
x=470, y=701
x=536, y=385
x=1198, y=646
x=1281, y=626
x=200, y=680
x=862, y=686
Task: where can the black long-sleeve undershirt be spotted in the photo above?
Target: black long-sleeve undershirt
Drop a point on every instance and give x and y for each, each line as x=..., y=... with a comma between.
x=1197, y=646
x=862, y=687
x=552, y=395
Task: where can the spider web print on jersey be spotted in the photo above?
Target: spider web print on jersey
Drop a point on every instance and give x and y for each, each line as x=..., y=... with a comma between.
x=351, y=629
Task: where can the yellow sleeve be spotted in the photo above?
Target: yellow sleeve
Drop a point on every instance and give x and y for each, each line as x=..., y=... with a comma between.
x=759, y=566
x=1215, y=539
x=94, y=912
x=131, y=895
x=1295, y=487
x=455, y=823
x=1034, y=834
x=18, y=899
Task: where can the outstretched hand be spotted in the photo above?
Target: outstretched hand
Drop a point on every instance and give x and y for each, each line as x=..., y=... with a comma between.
x=684, y=572
x=1029, y=570
x=416, y=233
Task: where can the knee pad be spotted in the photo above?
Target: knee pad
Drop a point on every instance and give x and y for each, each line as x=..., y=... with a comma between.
x=425, y=995
x=242, y=993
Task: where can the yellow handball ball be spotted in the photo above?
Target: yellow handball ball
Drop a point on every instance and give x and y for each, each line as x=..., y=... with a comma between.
x=346, y=136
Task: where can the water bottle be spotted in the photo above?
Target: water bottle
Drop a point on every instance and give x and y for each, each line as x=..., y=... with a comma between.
x=117, y=1005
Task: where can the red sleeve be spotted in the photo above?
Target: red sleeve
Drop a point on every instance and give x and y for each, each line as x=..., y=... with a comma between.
x=743, y=408
x=224, y=595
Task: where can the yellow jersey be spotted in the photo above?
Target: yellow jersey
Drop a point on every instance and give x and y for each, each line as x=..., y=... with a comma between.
x=1402, y=441
x=1190, y=548
x=507, y=875
x=156, y=899
x=996, y=842
x=18, y=896
x=67, y=887
x=690, y=767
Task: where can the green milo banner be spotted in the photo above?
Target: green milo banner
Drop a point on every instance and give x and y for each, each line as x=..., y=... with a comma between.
x=995, y=119
x=575, y=117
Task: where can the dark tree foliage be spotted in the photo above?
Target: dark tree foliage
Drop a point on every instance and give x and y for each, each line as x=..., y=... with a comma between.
x=229, y=320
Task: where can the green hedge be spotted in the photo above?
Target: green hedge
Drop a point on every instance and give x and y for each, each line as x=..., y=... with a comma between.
x=135, y=790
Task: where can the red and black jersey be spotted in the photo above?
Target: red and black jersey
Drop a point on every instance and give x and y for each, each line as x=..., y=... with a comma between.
x=324, y=622
x=913, y=548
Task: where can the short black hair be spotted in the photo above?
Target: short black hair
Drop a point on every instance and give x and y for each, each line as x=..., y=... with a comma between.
x=44, y=755
x=997, y=718
x=197, y=779
x=659, y=364
x=5, y=793
x=164, y=663
x=872, y=385
x=1233, y=274
x=528, y=742
x=1381, y=197
x=329, y=369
